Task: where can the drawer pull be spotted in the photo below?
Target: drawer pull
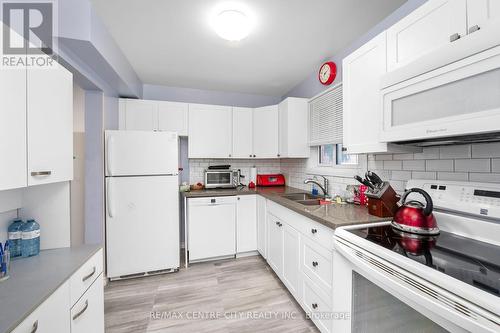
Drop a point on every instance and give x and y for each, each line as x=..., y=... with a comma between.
x=474, y=29
x=455, y=37
x=315, y=263
x=82, y=310
x=34, y=328
x=314, y=231
x=280, y=224
x=41, y=173
x=277, y=223
x=314, y=305
x=86, y=277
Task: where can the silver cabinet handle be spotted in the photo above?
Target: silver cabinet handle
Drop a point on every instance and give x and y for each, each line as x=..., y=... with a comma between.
x=474, y=28
x=41, y=173
x=82, y=310
x=455, y=37
x=86, y=277
x=34, y=328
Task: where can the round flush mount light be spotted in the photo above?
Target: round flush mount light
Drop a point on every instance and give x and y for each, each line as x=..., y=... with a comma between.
x=232, y=22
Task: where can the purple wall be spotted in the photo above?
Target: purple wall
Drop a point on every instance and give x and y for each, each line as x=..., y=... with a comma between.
x=188, y=95
x=310, y=86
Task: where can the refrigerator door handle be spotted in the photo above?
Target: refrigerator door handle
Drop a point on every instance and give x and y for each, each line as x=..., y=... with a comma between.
x=109, y=199
x=109, y=155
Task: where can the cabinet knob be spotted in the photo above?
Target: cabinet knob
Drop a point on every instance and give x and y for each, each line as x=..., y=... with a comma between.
x=277, y=223
x=474, y=28
x=315, y=263
x=279, y=155
x=314, y=305
x=212, y=200
x=455, y=37
x=229, y=155
x=239, y=198
x=251, y=155
x=254, y=156
x=344, y=148
x=34, y=328
x=314, y=231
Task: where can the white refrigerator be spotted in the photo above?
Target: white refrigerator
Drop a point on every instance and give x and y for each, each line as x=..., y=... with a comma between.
x=142, y=202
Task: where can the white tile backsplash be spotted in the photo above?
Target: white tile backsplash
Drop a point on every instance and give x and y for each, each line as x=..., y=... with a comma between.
x=485, y=177
x=197, y=167
x=393, y=165
x=439, y=165
x=495, y=165
x=415, y=165
x=473, y=165
x=457, y=151
x=486, y=150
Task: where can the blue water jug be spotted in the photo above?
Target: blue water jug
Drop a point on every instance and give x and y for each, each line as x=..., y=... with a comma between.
x=30, y=238
x=14, y=232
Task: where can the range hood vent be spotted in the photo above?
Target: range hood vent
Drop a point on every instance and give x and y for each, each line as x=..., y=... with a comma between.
x=456, y=140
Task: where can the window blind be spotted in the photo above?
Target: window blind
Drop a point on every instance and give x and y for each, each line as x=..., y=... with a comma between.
x=325, y=117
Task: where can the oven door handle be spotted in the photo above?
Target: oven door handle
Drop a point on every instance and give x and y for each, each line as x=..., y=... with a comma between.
x=446, y=309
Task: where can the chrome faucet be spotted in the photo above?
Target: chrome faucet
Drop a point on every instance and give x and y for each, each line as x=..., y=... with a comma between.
x=323, y=187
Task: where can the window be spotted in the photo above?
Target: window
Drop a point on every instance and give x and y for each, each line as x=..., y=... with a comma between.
x=330, y=155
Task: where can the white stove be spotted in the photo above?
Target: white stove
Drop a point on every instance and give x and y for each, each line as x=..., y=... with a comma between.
x=393, y=281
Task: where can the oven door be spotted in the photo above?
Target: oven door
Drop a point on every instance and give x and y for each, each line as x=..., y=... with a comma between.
x=377, y=296
x=459, y=99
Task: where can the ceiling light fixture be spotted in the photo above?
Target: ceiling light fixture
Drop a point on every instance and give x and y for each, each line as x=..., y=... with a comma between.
x=232, y=22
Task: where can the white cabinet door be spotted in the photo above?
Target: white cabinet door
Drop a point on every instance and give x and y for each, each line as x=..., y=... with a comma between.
x=141, y=115
x=50, y=125
x=242, y=132
x=483, y=15
x=13, y=128
x=173, y=117
x=275, y=244
x=430, y=26
x=293, y=128
x=362, y=71
x=246, y=223
x=291, y=259
x=50, y=317
x=87, y=315
x=261, y=226
x=210, y=131
x=211, y=227
x=265, y=132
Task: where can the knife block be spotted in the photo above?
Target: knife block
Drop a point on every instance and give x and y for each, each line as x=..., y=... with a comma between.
x=384, y=203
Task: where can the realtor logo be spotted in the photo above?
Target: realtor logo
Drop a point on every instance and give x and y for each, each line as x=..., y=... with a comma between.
x=28, y=32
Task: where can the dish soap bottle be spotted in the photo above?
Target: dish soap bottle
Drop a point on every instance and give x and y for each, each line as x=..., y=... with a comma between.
x=30, y=239
x=14, y=232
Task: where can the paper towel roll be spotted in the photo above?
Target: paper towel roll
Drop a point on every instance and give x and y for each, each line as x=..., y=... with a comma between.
x=253, y=175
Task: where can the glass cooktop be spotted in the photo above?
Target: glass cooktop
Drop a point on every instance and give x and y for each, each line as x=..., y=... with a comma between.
x=467, y=260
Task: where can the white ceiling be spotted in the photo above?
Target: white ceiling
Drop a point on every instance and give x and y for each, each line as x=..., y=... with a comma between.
x=170, y=42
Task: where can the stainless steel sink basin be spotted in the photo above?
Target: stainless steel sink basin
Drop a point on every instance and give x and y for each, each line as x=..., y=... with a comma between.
x=299, y=196
x=313, y=202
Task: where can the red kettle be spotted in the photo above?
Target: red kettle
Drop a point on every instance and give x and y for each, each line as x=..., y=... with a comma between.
x=414, y=217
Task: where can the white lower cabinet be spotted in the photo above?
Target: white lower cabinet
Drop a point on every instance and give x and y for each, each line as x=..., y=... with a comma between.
x=262, y=226
x=275, y=244
x=51, y=316
x=316, y=302
x=246, y=223
x=291, y=259
x=87, y=315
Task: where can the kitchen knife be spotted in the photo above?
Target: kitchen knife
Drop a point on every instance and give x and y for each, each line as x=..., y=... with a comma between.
x=364, y=182
x=375, y=178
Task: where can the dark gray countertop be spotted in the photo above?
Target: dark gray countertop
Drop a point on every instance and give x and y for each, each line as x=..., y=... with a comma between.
x=332, y=215
x=32, y=280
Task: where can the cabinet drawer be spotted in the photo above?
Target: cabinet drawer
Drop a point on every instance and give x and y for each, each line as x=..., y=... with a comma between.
x=51, y=316
x=316, y=303
x=87, y=315
x=316, y=263
x=85, y=276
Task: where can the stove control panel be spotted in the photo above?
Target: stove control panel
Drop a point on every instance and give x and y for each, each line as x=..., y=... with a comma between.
x=472, y=198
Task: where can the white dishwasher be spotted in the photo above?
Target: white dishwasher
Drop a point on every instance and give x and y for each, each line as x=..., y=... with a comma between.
x=211, y=227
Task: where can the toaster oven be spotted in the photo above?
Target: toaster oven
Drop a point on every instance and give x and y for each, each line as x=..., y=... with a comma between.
x=225, y=178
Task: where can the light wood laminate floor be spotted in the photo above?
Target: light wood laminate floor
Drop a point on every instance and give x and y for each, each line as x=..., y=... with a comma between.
x=239, y=291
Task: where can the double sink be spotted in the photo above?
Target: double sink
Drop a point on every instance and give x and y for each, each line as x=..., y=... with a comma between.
x=305, y=199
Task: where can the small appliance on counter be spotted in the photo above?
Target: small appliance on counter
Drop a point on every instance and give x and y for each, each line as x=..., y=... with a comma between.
x=382, y=199
x=415, y=217
x=216, y=177
x=271, y=180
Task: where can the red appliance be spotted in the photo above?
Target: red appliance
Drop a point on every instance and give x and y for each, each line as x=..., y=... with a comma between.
x=414, y=217
x=271, y=180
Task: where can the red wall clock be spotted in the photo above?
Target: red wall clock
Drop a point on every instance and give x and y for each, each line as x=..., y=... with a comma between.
x=327, y=73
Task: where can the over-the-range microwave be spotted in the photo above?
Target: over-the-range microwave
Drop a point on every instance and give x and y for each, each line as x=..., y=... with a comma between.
x=459, y=101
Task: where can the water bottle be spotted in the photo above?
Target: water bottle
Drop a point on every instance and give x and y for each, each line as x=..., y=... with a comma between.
x=14, y=232
x=30, y=239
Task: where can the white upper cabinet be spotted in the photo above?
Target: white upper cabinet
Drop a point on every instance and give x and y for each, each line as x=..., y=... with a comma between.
x=173, y=117
x=435, y=23
x=210, y=131
x=13, y=128
x=242, y=132
x=139, y=115
x=50, y=125
x=293, y=132
x=483, y=15
x=265, y=132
